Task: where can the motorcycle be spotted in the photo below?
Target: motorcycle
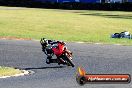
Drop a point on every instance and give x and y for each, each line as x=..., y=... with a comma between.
x=64, y=56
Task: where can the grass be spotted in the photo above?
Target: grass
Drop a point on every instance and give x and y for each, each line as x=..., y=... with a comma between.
x=7, y=71
x=67, y=25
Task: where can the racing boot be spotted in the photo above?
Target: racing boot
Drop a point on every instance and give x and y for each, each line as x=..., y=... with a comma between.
x=48, y=60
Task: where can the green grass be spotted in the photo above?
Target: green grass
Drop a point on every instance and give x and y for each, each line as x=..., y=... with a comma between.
x=7, y=71
x=67, y=25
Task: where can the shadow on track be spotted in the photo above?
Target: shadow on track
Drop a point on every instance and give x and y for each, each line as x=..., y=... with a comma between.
x=119, y=16
x=43, y=67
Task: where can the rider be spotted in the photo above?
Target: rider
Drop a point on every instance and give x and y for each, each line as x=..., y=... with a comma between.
x=56, y=48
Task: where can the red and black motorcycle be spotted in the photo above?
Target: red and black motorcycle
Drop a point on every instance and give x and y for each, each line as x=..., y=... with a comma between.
x=57, y=48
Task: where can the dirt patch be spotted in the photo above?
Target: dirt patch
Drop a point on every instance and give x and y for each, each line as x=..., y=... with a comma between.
x=14, y=38
x=12, y=8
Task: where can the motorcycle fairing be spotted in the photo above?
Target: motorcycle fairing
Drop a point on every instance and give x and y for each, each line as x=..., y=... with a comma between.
x=58, y=50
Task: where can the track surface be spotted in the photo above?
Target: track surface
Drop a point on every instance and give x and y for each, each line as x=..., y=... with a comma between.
x=94, y=58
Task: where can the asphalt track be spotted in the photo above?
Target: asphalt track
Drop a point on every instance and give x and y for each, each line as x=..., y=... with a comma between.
x=94, y=58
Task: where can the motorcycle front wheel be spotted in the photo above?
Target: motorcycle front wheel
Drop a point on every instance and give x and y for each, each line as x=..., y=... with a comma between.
x=69, y=60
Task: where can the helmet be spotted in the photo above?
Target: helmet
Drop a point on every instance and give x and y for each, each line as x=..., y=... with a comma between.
x=44, y=41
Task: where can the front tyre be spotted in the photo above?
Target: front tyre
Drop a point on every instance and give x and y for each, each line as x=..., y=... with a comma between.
x=69, y=60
